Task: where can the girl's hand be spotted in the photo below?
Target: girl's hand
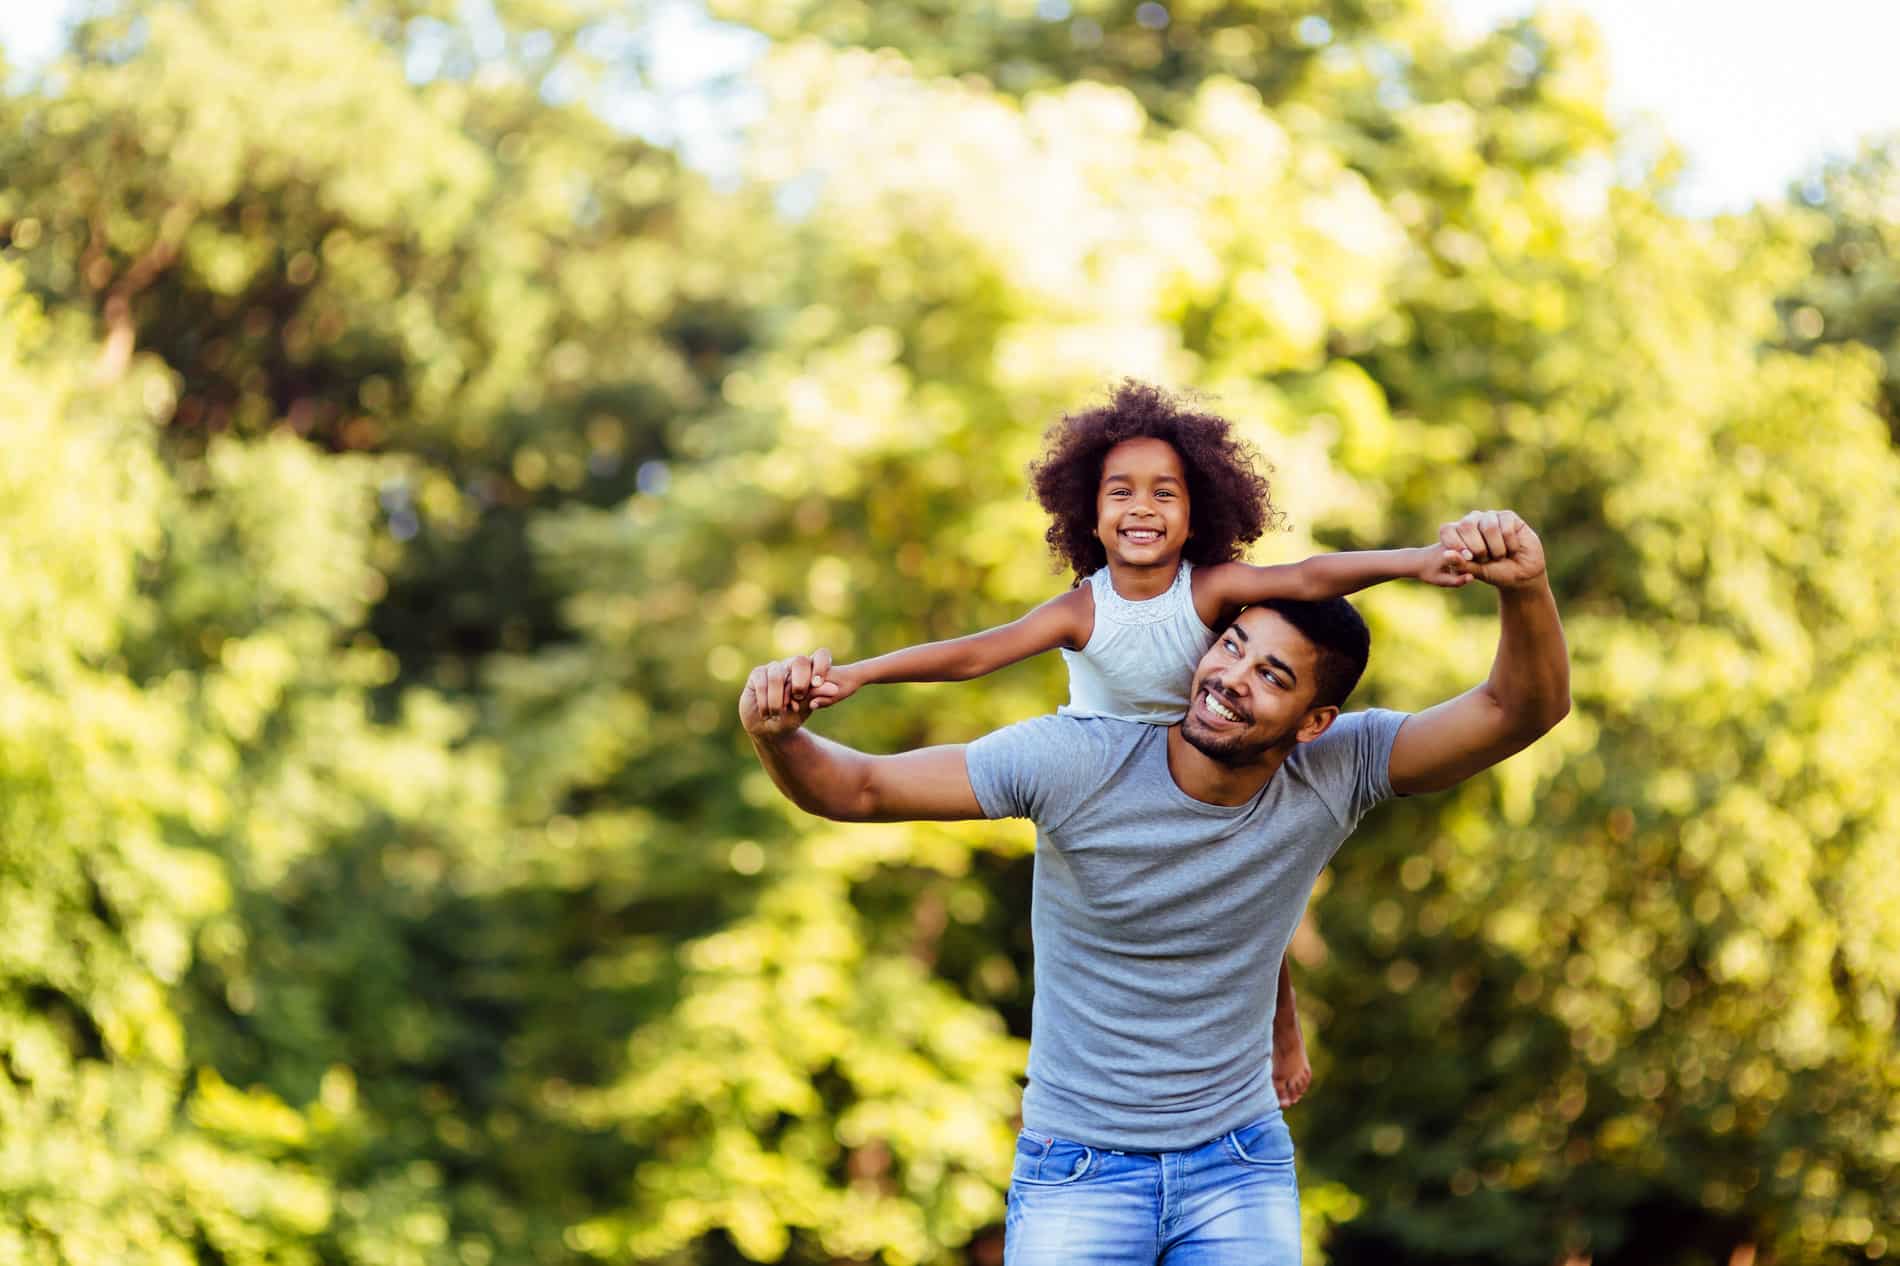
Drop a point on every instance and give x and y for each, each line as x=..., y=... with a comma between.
x=833, y=684
x=1444, y=567
x=828, y=684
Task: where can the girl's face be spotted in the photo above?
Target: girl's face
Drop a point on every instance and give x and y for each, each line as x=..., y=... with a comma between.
x=1141, y=506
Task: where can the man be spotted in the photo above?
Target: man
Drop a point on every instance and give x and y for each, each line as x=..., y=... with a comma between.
x=1172, y=866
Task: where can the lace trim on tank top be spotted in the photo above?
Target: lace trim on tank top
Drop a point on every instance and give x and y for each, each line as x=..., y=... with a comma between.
x=1163, y=606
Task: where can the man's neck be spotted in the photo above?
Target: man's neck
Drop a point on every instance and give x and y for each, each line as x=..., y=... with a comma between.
x=1203, y=778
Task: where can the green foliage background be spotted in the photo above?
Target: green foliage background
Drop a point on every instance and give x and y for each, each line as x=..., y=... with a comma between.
x=404, y=464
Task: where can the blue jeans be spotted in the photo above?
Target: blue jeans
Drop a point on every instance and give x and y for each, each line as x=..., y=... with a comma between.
x=1224, y=1203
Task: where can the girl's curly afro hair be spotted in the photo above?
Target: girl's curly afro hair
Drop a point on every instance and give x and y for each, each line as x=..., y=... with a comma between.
x=1229, y=503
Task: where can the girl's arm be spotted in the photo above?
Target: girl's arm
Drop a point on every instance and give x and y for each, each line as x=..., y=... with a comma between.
x=1221, y=590
x=1065, y=620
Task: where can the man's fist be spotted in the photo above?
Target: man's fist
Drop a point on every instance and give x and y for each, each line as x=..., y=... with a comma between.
x=1499, y=547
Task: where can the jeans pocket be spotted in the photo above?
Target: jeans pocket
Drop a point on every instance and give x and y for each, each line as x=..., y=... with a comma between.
x=1044, y=1161
x=1265, y=1143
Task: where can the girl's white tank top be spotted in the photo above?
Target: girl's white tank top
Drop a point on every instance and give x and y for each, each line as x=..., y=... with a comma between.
x=1141, y=655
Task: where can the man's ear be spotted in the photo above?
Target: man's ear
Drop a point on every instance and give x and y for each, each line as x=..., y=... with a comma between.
x=1316, y=723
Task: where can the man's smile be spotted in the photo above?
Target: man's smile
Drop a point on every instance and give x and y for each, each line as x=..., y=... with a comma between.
x=1213, y=703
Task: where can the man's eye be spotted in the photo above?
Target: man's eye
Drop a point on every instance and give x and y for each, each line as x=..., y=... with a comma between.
x=1227, y=644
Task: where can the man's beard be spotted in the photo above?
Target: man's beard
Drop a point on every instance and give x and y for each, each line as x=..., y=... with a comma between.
x=1233, y=750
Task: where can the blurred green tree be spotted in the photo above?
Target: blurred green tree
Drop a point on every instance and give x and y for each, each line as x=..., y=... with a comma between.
x=1852, y=293
x=187, y=746
x=1652, y=960
x=393, y=227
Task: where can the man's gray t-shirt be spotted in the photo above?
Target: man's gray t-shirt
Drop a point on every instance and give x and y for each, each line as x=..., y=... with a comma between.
x=1160, y=921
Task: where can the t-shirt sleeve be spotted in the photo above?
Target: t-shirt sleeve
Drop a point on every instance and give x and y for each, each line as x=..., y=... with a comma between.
x=1040, y=769
x=1350, y=765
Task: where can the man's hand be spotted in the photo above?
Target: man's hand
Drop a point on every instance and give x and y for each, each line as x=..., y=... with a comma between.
x=778, y=697
x=1528, y=689
x=1497, y=547
x=931, y=784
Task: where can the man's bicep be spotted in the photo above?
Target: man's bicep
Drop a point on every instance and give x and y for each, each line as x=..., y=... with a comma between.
x=1444, y=745
x=931, y=784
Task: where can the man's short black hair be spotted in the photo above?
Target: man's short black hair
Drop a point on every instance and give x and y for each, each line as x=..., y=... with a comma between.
x=1340, y=635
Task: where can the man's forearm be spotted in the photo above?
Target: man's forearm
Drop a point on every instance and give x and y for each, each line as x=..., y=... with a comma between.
x=1530, y=678
x=817, y=775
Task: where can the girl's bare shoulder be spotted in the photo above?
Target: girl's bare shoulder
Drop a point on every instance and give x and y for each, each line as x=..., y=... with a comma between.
x=1212, y=587
x=1077, y=605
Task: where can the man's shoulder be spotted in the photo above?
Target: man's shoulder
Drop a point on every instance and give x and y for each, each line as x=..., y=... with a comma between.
x=1042, y=767
x=1348, y=764
x=1348, y=726
x=1081, y=736
x=1353, y=738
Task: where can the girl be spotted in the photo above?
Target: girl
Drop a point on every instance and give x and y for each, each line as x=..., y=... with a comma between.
x=1150, y=503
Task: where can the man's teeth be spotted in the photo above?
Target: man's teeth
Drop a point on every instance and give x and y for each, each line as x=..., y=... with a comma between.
x=1220, y=709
